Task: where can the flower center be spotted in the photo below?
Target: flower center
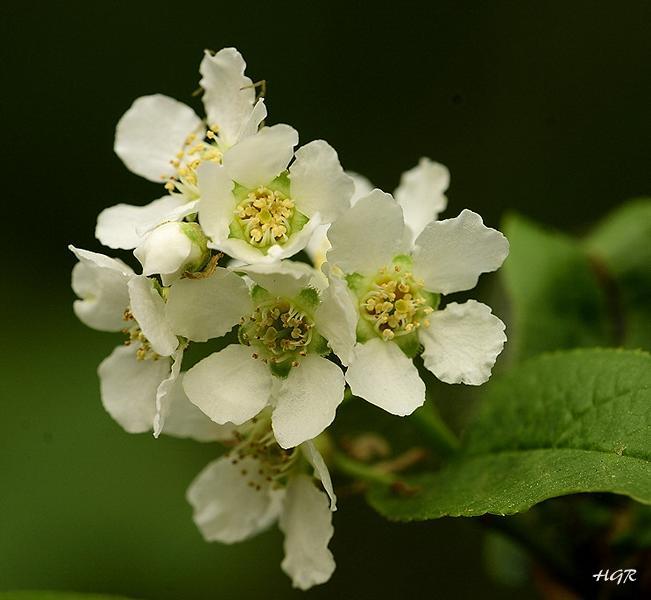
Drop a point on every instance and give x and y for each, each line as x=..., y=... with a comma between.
x=265, y=216
x=394, y=303
x=278, y=330
x=261, y=460
x=188, y=159
x=135, y=336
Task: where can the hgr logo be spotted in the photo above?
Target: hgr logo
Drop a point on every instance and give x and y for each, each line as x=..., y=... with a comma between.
x=619, y=576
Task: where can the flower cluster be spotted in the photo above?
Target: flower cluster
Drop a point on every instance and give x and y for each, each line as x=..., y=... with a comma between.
x=239, y=201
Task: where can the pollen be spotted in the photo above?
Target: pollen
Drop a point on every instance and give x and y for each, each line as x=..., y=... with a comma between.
x=265, y=216
x=395, y=304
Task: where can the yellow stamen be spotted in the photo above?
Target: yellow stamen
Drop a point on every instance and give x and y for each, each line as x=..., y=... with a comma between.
x=265, y=215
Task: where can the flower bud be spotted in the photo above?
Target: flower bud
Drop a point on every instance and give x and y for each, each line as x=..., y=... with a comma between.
x=171, y=249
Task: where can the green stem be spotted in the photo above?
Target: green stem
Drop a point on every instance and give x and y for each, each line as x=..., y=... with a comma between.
x=440, y=436
x=358, y=470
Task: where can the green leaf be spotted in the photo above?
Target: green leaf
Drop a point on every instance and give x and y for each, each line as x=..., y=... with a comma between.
x=564, y=423
x=555, y=295
x=621, y=244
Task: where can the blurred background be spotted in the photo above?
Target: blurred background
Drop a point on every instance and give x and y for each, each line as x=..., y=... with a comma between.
x=541, y=108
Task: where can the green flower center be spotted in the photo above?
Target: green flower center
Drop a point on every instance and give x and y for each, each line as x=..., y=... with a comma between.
x=265, y=216
x=395, y=303
x=279, y=331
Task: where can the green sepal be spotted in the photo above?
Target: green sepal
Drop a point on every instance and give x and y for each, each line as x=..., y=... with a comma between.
x=308, y=300
x=240, y=192
x=259, y=295
x=432, y=299
x=357, y=283
x=318, y=345
x=281, y=369
x=404, y=261
x=235, y=230
x=297, y=222
x=281, y=184
x=365, y=331
x=161, y=289
x=409, y=344
x=196, y=235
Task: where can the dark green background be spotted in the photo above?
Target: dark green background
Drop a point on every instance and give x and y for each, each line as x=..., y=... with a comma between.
x=540, y=107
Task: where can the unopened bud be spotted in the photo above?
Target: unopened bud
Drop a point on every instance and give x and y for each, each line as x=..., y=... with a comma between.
x=171, y=249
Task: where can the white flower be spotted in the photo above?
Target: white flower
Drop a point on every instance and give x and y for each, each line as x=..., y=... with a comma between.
x=242, y=494
x=318, y=244
x=278, y=361
x=380, y=307
x=256, y=210
x=139, y=381
x=421, y=194
x=171, y=249
x=163, y=140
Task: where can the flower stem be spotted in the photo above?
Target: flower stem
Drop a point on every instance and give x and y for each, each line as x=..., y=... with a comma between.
x=440, y=436
x=358, y=470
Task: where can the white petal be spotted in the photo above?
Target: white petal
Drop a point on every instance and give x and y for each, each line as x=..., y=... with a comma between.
x=284, y=279
x=251, y=125
x=336, y=318
x=166, y=251
x=383, y=375
x=226, y=507
x=307, y=401
x=185, y=420
x=368, y=236
x=462, y=342
x=306, y=521
x=318, y=183
x=217, y=206
x=101, y=284
x=421, y=194
x=241, y=251
x=320, y=470
x=319, y=244
x=165, y=392
x=202, y=309
x=258, y=159
x=228, y=93
x=363, y=187
x=229, y=385
x=100, y=260
x=450, y=255
x=176, y=214
x=124, y=226
x=128, y=387
x=148, y=308
x=151, y=132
